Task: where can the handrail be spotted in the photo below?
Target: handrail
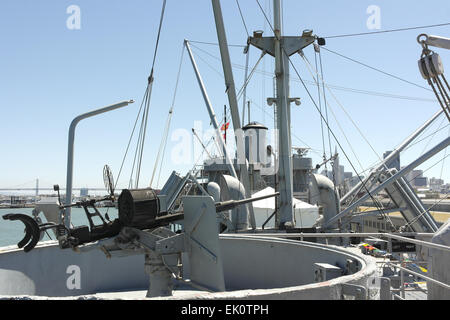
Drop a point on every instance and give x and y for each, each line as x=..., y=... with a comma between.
x=442, y=284
x=347, y=235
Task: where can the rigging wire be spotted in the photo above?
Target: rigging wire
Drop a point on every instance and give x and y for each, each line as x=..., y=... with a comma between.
x=162, y=147
x=309, y=94
x=334, y=136
x=216, y=44
x=139, y=137
x=376, y=69
x=242, y=18
x=267, y=19
x=244, y=96
x=300, y=139
x=336, y=87
x=343, y=109
x=320, y=108
x=144, y=121
x=339, y=125
x=242, y=90
x=129, y=143
x=386, y=31
x=312, y=99
x=329, y=130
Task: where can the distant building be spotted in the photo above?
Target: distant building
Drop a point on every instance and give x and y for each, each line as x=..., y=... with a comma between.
x=84, y=192
x=348, y=175
x=416, y=178
x=421, y=182
x=436, y=184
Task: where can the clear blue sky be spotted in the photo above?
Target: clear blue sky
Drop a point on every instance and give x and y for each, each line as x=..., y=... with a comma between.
x=50, y=74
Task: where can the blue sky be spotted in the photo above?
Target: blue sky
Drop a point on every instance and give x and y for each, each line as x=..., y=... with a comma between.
x=50, y=74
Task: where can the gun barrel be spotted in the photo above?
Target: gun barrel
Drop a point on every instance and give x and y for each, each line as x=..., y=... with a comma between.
x=231, y=204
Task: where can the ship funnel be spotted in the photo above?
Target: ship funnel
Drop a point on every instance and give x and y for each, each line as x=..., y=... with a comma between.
x=255, y=143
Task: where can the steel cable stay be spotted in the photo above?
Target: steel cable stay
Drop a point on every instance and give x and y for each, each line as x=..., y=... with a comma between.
x=144, y=122
x=316, y=151
x=247, y=79
x=376, y=69
x=320, y=108
x=328, y=88
x=342, y=108
x=334, y=136
x=253, y=102
x=387, y=31
x=306, y=61
x=412, y=178
x=370, y=167
x=242, y=18
x=336, y=87
x=144, y=110
x=129, y=142
x=339, y=126
x=312, y=99
x=244, y=96
x=162, y=147
x=308, y=64
x=142, y=134
x=329, y=130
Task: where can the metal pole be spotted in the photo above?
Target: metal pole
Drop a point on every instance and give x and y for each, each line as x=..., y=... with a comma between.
x=210, y=109
x=402, y=281
x=391, y=180
x=393, y=154
x=231, y=91
x=283, y=122
x=73, y=125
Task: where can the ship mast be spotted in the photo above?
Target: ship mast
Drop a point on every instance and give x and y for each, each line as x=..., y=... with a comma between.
x=281, y=47
x=285, y=185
